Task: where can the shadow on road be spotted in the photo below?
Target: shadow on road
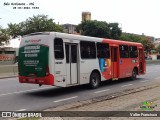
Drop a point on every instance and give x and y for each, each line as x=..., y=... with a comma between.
x=59, y=91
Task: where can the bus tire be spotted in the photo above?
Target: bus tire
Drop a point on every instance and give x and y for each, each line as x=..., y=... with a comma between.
x=94, y=80
x=134, y=74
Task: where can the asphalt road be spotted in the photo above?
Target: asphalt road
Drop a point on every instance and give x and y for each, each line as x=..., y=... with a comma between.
x=29, y=97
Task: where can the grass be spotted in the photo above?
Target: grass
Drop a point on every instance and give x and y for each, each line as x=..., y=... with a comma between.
x=32, y=118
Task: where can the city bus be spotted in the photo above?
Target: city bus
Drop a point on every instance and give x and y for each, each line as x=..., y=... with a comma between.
x=60, y=59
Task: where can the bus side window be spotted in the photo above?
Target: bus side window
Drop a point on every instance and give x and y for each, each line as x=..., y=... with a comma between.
x=103, y=50
x=88, y=50
x=58, y=48
x=133, y=53
x=124, y=53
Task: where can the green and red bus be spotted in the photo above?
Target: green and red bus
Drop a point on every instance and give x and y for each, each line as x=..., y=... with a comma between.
x=60, y=59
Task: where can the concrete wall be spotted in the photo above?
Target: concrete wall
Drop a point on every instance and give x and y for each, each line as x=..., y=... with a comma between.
x=8, y=70
x=8, y=55
x=152, y=61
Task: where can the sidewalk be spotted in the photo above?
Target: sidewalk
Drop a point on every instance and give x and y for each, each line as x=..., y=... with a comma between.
x=130, y=100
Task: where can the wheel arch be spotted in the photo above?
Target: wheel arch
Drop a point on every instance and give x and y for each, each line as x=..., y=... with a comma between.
x=95, y=70
x=136, y=68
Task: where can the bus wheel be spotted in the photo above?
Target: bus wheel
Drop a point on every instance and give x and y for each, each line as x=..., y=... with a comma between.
x=134, y=74
x=94, y=80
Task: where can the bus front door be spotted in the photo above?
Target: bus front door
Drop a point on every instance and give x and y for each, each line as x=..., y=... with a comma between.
x=71, y=63
x=114, y=60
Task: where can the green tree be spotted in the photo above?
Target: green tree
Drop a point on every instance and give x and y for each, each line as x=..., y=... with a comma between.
x=4, y=36
x=39, y=23
x=148, y=45
x=101, y=29
x=130, y=37
x=115, y=31
x=158, y=49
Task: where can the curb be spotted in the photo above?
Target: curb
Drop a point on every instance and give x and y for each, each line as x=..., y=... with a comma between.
x=150, y=62
x=3, y=77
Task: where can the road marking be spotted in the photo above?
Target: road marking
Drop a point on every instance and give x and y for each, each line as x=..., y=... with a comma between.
x=21, y=110
x=66, y=99
x=126, y=85
x=149, y=71
x=23, y=91
x=101, y=91
x=144, y=81
x=7, y=79
x=157, y=78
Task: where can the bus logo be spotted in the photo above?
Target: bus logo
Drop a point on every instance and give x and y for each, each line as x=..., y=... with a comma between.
x=6, y=114
x=32, y=41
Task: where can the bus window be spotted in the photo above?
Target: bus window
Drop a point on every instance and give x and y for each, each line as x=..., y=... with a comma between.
x=103, y=50
x=58, y=48
x=124, y=51
x=74, y=54
x=133, y=52
x=88, y=50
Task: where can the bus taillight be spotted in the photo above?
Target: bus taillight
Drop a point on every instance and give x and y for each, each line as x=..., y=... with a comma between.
x=47, y=70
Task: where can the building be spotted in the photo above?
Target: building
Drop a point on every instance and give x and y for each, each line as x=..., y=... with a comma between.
x=157, y=42
x=150, y=38
x=9, y=52
x=86, y=16
x=69, y=28
x=8, y=55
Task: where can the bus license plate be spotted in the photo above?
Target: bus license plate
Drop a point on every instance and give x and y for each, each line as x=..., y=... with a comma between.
x=31, y=80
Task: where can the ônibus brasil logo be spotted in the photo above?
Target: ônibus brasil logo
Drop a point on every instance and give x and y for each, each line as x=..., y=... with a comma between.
x=32, y=41
x=147, y=105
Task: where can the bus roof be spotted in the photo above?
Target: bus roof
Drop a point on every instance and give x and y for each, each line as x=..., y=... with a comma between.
x=85, y=38
x=89, y=38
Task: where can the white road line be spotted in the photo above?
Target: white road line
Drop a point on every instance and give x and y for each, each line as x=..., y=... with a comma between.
x=21, y=110
x=8, y=79
x=101, y=91
x=126, y=85
x=144, y=81
x=22, y=91
x=157, y=78
x=66, y=99
x=149, y=71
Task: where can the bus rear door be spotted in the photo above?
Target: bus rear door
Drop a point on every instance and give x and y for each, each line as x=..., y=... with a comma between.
x=114, y=62
x=71, y=63
x=141, y=61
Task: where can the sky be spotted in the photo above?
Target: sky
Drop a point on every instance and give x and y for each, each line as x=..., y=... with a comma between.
x=133, y=16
